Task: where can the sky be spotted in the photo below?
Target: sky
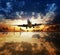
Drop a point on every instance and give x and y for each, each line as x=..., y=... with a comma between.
x=15, y=9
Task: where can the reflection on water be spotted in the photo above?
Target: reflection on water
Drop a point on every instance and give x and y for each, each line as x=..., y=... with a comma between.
x=28, y=36
x=29, y=43
x=18, y=36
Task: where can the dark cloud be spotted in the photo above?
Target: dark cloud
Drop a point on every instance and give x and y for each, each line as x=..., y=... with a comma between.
x=8, y=7
x=57, y=19
x=28, y=5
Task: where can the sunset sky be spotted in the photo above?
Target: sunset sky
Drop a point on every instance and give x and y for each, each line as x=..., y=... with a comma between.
x=38, y=11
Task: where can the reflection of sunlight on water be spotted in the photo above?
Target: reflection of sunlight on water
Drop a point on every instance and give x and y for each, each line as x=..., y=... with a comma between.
x=21, y=36
x=18, y=36
x=27, y=36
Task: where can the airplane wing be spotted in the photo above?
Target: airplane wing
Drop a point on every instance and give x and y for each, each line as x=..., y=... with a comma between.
x=36, y=24
x=24, y=25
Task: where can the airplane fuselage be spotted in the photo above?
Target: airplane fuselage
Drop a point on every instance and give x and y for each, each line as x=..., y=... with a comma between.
x=29, y=23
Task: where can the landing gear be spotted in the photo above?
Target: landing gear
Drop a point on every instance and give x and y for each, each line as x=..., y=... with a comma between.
x=33, y=26
x=26, y=27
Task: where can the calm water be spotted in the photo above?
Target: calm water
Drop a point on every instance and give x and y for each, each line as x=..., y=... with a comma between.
x=27, y=36
x=21, y=36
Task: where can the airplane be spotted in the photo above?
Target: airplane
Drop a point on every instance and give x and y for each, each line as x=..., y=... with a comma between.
x=29, y=24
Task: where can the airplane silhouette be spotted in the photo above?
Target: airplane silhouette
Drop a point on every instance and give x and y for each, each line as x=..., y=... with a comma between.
x=29, y=24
